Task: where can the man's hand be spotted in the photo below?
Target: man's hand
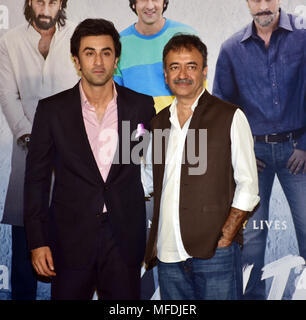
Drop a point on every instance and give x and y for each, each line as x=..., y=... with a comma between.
x=224, y=242
x=232, y=225
x=43, y=262
x=297, y=161
x=260, y=165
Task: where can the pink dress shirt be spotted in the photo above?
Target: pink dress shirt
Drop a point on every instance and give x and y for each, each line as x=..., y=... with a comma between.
x=102, y=136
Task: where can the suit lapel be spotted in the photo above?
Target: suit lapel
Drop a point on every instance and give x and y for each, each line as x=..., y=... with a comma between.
x=80, y=135
x=125, y=113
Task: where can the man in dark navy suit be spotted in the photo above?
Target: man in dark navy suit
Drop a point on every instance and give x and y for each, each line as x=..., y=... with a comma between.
x=92, y=236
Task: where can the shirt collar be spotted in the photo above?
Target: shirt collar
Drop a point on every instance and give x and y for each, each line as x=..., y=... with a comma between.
x=284, y=23
x=152, y=36
x=248, y=32
x=173, y=111
x=84, y=101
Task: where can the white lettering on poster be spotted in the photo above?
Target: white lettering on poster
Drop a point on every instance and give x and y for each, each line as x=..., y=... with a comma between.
x=266, y=224
x=300, y=284
x=280, y=271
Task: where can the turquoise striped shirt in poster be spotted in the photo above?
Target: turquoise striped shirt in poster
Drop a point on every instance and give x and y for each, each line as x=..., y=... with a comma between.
x=140, y=67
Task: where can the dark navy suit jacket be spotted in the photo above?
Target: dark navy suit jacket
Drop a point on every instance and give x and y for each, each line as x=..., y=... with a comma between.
x=69, y=223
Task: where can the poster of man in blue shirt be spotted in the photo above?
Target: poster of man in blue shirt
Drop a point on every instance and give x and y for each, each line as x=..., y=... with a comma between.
x=262, y=68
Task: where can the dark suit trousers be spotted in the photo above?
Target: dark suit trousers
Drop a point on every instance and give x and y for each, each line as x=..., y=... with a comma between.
x=109, y=275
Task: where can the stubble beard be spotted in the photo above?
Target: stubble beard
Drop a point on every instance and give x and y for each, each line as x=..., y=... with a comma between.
x=265, y=20
x=98, y=83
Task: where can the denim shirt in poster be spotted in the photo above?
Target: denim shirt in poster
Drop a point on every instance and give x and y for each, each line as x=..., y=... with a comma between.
x=269, y=84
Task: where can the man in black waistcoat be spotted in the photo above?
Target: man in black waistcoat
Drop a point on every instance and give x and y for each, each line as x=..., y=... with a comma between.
x=205, y=182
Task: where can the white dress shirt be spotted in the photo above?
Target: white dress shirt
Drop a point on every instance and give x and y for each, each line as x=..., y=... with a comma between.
x=26, y=77
x=170, y=246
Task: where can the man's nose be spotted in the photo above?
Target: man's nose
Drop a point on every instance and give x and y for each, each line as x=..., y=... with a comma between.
x=149, y=4
x=99, y=60
x=46, y=10
x=263, y=6
x=182, y=73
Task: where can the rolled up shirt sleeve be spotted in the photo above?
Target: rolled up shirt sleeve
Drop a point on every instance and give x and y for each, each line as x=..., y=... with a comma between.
x=244, y=164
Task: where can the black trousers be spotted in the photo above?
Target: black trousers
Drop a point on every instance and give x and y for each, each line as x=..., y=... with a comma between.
x=109, y=274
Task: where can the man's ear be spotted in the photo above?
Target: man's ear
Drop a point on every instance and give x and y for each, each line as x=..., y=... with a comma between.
x=205, y=70
x=165, y=75
x=116, y=63
x=77, y=62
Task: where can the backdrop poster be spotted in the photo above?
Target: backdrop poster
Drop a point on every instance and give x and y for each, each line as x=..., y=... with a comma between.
x=215, y=21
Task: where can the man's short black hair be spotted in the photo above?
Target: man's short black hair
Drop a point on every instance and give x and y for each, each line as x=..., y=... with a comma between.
x=187, y=41
x=61, y=20
x=133, y=3
x=94, y=27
